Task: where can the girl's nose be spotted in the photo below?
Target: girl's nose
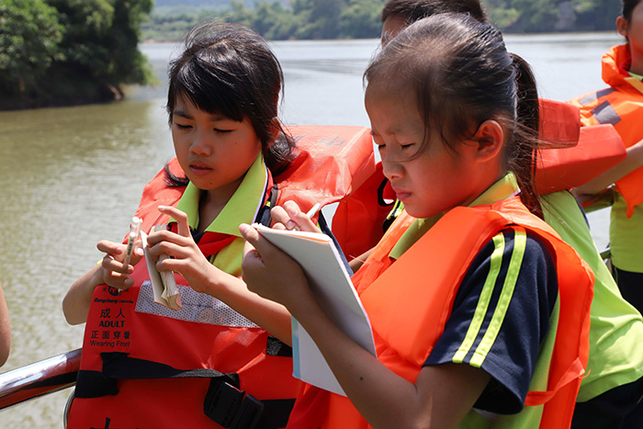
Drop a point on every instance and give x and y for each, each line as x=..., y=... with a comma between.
x=201, y=144
x=391, y=168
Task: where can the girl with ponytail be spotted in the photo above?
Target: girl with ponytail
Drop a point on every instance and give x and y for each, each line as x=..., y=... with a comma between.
x=611, y=391
x=479, y=311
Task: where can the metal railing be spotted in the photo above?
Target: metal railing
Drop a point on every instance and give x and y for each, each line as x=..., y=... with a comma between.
x=39, y=378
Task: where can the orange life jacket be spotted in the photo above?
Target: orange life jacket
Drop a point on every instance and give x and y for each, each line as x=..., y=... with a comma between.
x=178, y=360
x=621, y=106
x=599, y=147
x=407, y=325
x=175, y=362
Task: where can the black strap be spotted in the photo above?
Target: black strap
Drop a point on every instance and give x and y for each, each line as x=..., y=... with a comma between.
x=120, y=366
x=233, y=408
x=224, y=402
x=380, y=194
x=263, y=217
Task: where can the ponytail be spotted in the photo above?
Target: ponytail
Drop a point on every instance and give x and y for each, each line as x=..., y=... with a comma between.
x=523, y=151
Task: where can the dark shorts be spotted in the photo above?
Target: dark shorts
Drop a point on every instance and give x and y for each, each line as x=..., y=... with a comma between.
x=631, y=286
x=619, y=408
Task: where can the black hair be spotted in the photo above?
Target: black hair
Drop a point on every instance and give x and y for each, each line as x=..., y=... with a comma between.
x=230, y=70
x=414, y=10
x=462, y=75
x=628, y=8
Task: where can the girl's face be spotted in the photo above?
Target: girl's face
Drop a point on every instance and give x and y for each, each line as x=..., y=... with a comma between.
x=214, y=151
x=430, y=181
x=633, y=30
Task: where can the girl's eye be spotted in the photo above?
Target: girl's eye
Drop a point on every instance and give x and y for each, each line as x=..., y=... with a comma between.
x=220, y=131
x=182, y=126
x=407, y=146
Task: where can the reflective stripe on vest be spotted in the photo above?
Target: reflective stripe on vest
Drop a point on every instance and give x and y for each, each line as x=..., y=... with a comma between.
x=621, y=106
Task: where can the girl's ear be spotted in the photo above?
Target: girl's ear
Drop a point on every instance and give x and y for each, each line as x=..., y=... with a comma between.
x=621, y=26
x=488, y=140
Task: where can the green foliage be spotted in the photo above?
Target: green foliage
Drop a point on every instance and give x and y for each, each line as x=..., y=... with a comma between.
x=361, y=19
x=70, y=51
x=596, y=14
x=73, y=51
x=536, y=16
x=330, y=19
x=29, y=36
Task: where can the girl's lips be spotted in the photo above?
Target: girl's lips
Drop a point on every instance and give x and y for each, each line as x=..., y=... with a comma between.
x=200, y=170
x=401, y=194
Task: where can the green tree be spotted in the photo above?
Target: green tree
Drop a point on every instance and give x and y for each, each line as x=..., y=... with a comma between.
x=501, y=13
x=361, y=19
x=274, y=21
x=239, y=14
x=326, y=15
x=29, y=38
x=56, y=52
x=596, y=14
x=101, y=43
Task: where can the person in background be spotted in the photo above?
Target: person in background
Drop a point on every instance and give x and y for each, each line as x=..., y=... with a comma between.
x=461, y=346
x=5, y=329
x=621, y=104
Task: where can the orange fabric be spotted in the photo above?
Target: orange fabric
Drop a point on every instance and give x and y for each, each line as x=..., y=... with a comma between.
x=599, y=148
x=625, y=98
x=333, y=161
x=559, y=123
x=156, y=193
x=407, y=325
x=175, y=402
x=570, y=155
x=358, y=220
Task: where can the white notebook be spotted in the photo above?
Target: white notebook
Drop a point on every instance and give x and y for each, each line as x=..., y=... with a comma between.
x=331, y=285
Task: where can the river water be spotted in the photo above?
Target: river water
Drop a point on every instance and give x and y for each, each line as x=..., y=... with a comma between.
x=73, y=176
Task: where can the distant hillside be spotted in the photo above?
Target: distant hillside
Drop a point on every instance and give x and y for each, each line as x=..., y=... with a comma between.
x=185, y=6
x=338, y=19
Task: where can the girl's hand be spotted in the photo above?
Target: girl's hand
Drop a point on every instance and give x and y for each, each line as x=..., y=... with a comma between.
x=272, y=274
x=185, y=256
x=289, y=216
x=114, y=272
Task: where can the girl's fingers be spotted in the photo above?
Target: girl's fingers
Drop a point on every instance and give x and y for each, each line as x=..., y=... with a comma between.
x=183, y=227
x=169, y=248
x=251, y=236
x=299, y=218
x=110, y=264
x=279, y=215
x=110, y=248
x=258, y=244
x=289, y=216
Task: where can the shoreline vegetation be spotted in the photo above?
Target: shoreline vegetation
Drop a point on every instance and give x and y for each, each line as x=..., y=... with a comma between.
x=65, y=52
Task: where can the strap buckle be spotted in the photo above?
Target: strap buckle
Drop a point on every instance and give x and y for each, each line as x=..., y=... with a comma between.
x=231, y=407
